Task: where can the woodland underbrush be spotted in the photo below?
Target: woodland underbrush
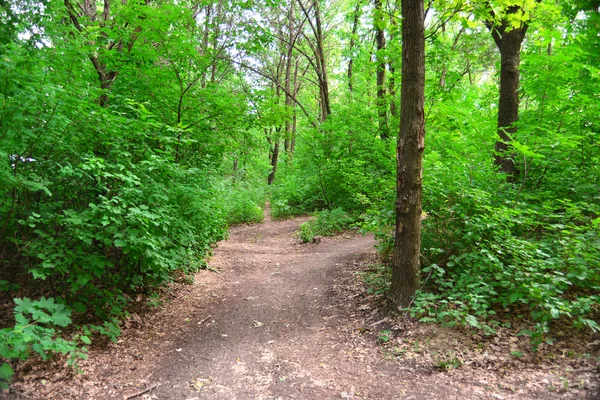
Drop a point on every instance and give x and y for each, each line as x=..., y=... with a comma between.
x=496, y=260
x=325, y=223
x=494, y=255
x=99, y=207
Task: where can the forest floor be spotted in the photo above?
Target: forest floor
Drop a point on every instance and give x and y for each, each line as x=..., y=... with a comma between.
x=276, y=319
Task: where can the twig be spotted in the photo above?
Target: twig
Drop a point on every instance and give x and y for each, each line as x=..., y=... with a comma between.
x=379, y=322
x=592, y=369
x=141, y=392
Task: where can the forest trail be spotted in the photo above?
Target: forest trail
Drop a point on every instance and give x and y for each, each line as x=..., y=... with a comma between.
x=280, y=320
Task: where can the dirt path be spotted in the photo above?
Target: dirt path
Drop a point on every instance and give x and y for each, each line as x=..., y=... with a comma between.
x=281, y=320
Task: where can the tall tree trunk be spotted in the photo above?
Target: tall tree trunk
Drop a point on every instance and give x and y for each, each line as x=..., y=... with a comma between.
x=215, y=41
x=320, y=62
x=288, y=79
x=324, y=81
x=411, y=144
x=508, y=40
x=508, y=106
x=352, y=43
x=394, y=111
x=378, y=22
x=294, y=109
x=205, y=37
x=274, y=157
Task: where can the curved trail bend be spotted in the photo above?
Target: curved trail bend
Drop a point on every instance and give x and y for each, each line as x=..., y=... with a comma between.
x=281, y=320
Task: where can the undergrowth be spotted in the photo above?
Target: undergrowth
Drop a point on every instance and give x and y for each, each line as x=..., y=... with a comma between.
x=485, y=263
x=244, y=203
x=325, y=223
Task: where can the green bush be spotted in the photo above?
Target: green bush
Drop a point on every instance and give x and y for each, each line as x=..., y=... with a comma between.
x=97, y=207
x=485, y=259
x=34, y=332
x=335, y=167
x=326, y=223
x=294, y=194
x=244, y=203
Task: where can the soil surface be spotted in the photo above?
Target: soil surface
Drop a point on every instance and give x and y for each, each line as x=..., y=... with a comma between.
x=274, y=319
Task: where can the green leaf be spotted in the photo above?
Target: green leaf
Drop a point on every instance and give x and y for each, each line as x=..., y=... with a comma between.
x=471, y=320
x=514, y=296
x=6, y=372
x=85, y=339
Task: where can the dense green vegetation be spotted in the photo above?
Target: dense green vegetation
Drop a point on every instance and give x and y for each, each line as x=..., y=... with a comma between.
x=133, y=133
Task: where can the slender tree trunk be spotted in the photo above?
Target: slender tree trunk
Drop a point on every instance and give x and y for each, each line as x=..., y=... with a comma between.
x=288, y=79
x=215, y=41
x=274, y=157
x=205, y=37
x=294, y=111
x=325, y=104
x=84, y=13
x=320, y=62
x=508, y=106
x=352, y=43
x=411, y=143
x=394, y=110
x=378, y=22
x=509, y=40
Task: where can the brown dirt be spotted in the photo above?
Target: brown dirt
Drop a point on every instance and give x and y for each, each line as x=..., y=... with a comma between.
x=281, y=320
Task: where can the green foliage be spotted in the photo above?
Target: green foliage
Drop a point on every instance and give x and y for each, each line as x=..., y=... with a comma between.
x=377, y=278
x=326, y=223
x=536, y=259
x=35, y=332
x=380, y=221
x=101, y=204
x=111, y=188
x=292, y=196
x=448, y=362
x=244, y=203
x=384, y=335
x=335, y=167
x=495, y=253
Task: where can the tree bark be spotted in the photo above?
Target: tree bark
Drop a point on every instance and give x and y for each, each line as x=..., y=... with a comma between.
x=378, y=22
x=84, y=12
x=320, y=62
x=508, y=106
x=352, y=43
x=325, y=104
x=288, y=79
x=274, y=157
x=205, y=38
x=294, y=111
x=508, y=40
x=215, y=41
x=394, y=110
x=411, y=144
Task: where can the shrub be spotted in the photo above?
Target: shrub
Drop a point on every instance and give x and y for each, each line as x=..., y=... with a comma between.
x=244, y=203
x=484, y=258
x=34, y=332
x=326, y=223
